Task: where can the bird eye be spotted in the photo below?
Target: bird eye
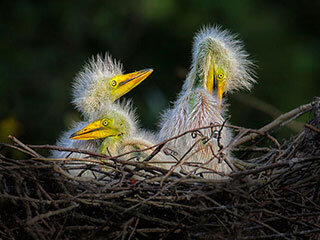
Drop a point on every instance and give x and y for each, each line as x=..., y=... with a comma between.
x=220, y=75
x=113, y=83
x=105, y=123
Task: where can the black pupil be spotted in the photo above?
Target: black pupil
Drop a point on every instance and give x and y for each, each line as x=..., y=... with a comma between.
x=113, y=83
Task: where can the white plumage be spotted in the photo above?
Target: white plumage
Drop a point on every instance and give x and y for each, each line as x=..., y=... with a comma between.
x=230, y=52
x=121, y=135
x=90, y=89
x=95, y=89
x=220, y=64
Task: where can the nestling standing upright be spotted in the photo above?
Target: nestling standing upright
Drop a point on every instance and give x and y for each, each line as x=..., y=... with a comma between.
x=220, y=65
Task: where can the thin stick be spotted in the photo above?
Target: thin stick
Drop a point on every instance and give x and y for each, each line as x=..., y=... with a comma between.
x=50, y=214
x=31, y=151
x=312, y=128
x=282, y=118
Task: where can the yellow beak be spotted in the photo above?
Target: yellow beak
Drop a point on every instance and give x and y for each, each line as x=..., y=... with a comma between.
x=94, y=130
x=210, y=79
x=220, y=94
x=213, y=83
x=127, y=82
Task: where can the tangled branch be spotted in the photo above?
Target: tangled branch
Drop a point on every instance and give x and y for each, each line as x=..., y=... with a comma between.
x=276, y=195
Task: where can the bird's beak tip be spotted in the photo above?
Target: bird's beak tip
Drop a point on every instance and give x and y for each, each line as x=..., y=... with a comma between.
x=75, y=136
x=72, y=135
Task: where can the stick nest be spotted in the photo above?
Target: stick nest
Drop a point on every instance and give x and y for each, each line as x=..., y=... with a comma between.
x=274, y=196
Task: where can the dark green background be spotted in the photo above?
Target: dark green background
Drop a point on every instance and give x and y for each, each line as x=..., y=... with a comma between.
x=44, y=44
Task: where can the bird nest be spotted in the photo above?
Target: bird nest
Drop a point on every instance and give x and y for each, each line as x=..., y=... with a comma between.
x=274, y=196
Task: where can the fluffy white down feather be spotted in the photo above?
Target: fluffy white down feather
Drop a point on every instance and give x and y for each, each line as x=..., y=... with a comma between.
x=205, y=111
x=90, y=88
x=132, y=140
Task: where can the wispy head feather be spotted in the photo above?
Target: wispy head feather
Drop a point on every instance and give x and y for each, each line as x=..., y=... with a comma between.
x=227, y=49
x=123, y=108
x=90, y=87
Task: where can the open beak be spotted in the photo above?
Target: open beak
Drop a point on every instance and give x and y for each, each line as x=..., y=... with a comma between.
x=129, y=81
x=94, y=130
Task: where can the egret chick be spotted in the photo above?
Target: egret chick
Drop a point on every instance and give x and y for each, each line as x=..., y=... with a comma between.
x=117, y=132
x=102, y=81
x=220, y=65
x=95, y=89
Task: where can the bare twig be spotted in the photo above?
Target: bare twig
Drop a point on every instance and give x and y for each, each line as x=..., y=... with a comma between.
x=50, y=214
x=28, y=149
x=282, y=118
x=312, y=128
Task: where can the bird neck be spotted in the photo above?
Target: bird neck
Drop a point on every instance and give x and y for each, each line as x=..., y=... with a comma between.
x=99, y=99
x=110, y=144
x=200, y=100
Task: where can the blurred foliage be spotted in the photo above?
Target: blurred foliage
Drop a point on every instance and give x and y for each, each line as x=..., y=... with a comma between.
x=8, y=126
x=44, y=44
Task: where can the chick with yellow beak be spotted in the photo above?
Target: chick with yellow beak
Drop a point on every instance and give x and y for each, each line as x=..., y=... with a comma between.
x=102, y=81
x=117, y=132
x=220, y=65
x=95, y=89
x=110, y=128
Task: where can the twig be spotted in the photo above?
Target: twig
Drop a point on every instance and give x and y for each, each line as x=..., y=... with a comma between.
x=267, y=109
x=181, y=161
x=31, y=151
x=133, y=229
x=275, y=123
x=312, y=128
x=155, y=152
x=50, y=214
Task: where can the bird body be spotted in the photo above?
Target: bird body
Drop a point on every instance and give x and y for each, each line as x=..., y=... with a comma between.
x=119, y=133
x=76, y=166
x=185, y=116
x=219, y=65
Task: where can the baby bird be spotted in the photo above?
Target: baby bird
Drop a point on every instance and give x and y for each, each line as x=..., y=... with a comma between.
x=95, y=89
x=220, y=65
x=102, y=81
x=117, y=132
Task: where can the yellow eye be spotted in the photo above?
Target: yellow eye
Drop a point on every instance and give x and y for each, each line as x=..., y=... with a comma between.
x=113, y=83
x=105, y=123
x=221, y=75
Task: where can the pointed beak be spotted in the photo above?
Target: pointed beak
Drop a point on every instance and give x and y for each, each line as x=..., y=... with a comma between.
x=220, y=94
x=129, y=81
x=212, y=83
x=210, y=78
x=92, y=131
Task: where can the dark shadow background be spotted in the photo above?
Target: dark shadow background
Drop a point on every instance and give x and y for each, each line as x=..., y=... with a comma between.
x=44, y=44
